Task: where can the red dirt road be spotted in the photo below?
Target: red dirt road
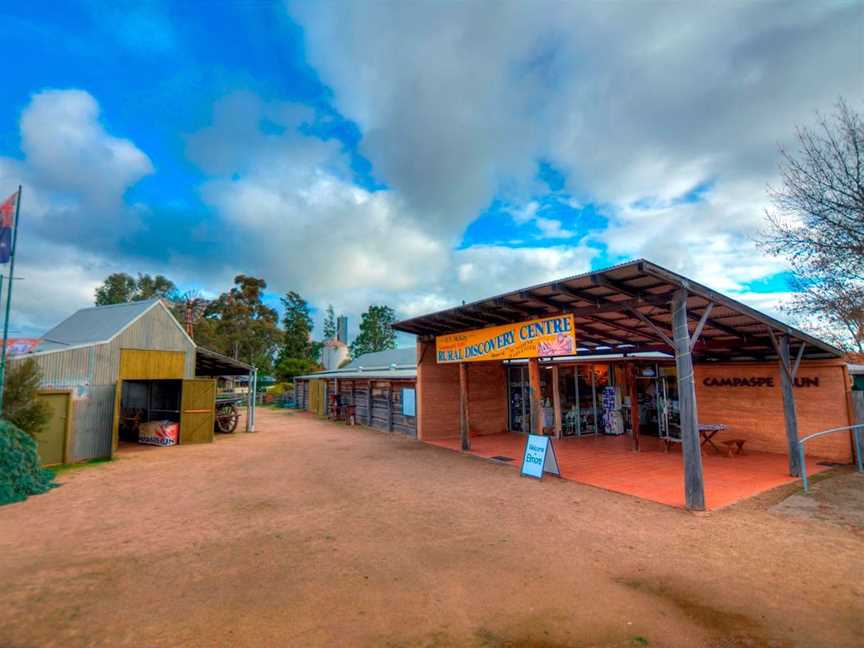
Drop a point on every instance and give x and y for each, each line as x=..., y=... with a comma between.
x=310, y=534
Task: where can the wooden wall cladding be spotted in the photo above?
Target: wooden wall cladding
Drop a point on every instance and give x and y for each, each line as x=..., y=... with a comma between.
x=401, y=423
x=382, y=409
x=756, y=413
x=361, y=402
x=148, y=364
x=380, y=405
x=300, y=394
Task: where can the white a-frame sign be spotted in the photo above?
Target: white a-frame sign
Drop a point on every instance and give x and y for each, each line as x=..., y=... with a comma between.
x=539, y=457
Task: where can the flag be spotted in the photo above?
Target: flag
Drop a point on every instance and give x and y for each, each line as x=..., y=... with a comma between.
x=7, y=211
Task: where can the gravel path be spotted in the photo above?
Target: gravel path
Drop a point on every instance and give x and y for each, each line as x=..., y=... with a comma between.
x=309, y=533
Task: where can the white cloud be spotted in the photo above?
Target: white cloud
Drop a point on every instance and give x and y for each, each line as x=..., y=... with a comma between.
x=74, y=175
x=633, y=103
x=306, y=225
x=457, y=103
x=551, y=228
x=68, y=150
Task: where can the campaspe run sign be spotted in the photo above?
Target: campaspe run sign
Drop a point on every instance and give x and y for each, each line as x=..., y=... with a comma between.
x=547, y=337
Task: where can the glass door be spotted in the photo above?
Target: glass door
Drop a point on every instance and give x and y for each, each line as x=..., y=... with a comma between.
x=519, y=400
x=668, y=414
x=568, y=390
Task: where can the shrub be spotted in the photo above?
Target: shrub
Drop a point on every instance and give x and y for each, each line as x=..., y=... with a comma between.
x=21, y=471
x=20, y=405
x=280, y=388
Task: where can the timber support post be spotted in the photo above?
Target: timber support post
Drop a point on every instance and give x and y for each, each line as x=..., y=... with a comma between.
x=694, y=486
x=534, y=389
x=390, y=406
x=369, y=403
x=556, y=400
x=634, y=406
x=787, y=382
x=464, y=421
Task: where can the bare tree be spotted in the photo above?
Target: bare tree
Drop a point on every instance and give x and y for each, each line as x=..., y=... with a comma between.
x=833, y=309
x=818, y=224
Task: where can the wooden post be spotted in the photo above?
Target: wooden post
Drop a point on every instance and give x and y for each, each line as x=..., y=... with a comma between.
x=248, y=404
x=536, y=403
x=464, y=431
x=787, y=377
x=634, y=406
x=850, y=412
x=556, y=400
x=390, y=406
x=694, y=487
x=338, y=396
x=369, y=403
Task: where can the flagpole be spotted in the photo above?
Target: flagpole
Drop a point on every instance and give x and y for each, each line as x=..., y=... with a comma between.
x=9, y=300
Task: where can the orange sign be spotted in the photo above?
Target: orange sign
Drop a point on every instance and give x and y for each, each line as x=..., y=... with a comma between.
x=550, y=336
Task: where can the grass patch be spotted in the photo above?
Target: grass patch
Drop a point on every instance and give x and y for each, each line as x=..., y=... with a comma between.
x=57, y=470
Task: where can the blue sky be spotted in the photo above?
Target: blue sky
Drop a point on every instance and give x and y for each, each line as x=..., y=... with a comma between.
x=414, y=154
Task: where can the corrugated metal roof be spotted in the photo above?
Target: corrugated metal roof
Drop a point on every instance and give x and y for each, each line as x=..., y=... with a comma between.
x=213, y=363
x=92, y=325
x=393, y=363
x=626, y=308
x=405, y=356
x=378, y=374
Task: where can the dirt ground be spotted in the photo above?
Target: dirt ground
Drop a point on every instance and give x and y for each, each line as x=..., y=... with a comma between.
x=309, y=533
x=838, y=501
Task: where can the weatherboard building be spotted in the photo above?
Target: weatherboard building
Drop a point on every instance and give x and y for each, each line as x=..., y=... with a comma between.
x=633, y=365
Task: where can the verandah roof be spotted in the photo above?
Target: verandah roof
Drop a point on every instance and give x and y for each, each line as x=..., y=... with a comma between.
x=625, y=309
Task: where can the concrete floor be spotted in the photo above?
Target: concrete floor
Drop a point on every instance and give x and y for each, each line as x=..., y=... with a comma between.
x=653, y=474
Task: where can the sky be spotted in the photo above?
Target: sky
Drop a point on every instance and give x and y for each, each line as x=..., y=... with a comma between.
x=415, y=154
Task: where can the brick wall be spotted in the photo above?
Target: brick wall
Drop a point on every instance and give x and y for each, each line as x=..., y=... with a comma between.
x=438, y=397
x=756, y=413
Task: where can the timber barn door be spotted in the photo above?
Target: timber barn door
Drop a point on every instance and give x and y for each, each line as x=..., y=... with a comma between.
x=197, y=410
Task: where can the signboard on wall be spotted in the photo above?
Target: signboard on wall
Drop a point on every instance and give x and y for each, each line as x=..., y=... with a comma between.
x=539, y=457
x=546, y=337
x=19, y=346
x=409, y=402
x=756, y=381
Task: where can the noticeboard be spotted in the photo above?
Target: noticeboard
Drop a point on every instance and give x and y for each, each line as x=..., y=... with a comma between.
x=409, y=402
x=539, y=457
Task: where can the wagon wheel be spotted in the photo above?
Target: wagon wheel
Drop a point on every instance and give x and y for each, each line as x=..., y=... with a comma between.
x=227, y=418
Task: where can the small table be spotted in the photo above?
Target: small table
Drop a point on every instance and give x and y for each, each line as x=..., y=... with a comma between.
x=707, y=431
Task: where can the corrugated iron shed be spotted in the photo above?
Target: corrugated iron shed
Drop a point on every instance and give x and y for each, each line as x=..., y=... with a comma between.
x=94, y=325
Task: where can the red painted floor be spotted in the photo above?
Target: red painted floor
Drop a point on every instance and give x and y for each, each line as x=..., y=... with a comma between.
x=653, y=474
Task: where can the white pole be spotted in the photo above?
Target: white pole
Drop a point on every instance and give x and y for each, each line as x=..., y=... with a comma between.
x=254, y=396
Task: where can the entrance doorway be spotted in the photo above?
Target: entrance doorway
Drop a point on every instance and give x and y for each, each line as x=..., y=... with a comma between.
x=144, y=401
x=595, y=398
x=656, y=392
x=581, y=389
x=519, y=399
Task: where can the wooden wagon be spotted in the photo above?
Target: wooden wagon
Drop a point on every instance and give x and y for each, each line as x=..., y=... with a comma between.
x=228, y=412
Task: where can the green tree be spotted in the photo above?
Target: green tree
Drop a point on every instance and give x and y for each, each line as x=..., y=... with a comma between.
x=329, y=323
x=120, y=288
x=240, y=325
x=376, y=331
x=20, y=405
x=297, y=326
x=288, y=368
x=148, y=287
